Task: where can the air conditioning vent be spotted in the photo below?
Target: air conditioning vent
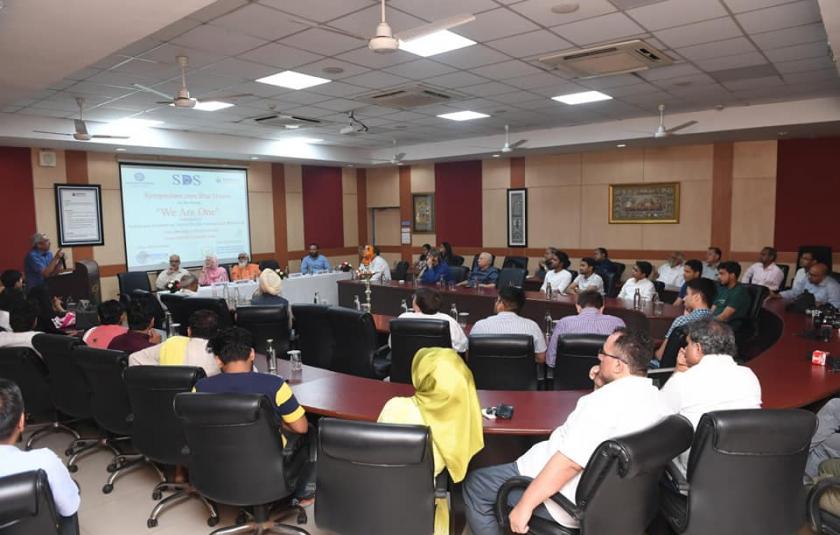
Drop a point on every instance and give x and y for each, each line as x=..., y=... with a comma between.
x=607, y=60
x=277, y=120
x=405, y=97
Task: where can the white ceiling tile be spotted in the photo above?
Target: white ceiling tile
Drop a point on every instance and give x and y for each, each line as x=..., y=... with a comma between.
x=738, y=6
x=238, y=68
x=373, y=111
x=320, y=11
x=280, y=56
x=508, y=69
x=300, y=98
x=404, y=116
x=518, y=98
x=259, y=21
x=308, y=111
x=337, y=89
x=456, y=80
x=810, y=76
x=217, y=9
x=168, y=52
x=63, y=84
x=496, y=24
x=364, y=22
x=174, y=30
x=120, y=79
x=218, y=40
x=139, y=47
x=339, y=104
x=317, y=69
x=813, y=64
x=420, y=69
x=470, y=57
x=731, y=62
x=599, y=29
x=376, y=80
x=49, y=112
x=635, y=89
x=540, y=11
x=806, y=51
x=531, y=44
x=784, y=16
x=322, y=42
x=797, y=35
x=542, y=79
x=368, y=58
x=670, y=71
x=700, y=32
x=676, y=13
x=438, y=9
x=487, y=90
x=561, y=88
x=607, y=82
x=100, y=90
x=148, y=69
x=754, y=83
x=728, y=47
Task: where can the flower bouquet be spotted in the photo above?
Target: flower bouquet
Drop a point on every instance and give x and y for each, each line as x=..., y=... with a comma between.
x=345, y=267
x=173, y=286
x=283, y=274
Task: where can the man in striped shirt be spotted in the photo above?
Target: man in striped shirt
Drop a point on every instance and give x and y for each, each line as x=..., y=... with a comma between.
x=508, y=321
x=590, y=319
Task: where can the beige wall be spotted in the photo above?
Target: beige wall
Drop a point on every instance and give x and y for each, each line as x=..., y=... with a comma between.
x=495, y=180
x=753, y=195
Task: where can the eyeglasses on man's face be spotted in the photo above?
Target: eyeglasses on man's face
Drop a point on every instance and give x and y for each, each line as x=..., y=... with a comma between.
x=602, y=353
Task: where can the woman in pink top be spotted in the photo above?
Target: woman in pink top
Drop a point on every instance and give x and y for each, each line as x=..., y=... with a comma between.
x=112, y=317
x=211, y=273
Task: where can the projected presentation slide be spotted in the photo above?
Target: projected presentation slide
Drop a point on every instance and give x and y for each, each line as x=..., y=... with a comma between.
x=189, y=211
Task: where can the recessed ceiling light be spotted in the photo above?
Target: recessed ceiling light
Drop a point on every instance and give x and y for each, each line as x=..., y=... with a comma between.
x=783, y=132
x=436, y=43
x=565, y=7
x=495, y=156
x=332, y=70
x=582, y=98
x=255, y=157
x=212, y=105
x=621, y=145
x=463, y=115
x=293, y=80
x=134, y=122
x=120, y=149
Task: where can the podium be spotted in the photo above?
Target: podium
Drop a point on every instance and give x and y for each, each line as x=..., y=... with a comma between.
x=80, y=283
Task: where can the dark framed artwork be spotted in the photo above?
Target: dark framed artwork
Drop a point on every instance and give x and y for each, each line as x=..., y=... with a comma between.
x=517, y=217
x=423, y=212
x=657, y=202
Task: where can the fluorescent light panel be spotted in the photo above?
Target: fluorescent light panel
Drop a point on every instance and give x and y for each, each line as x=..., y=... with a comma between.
x=463, y=116
x=436, y=43
x=212, y=105
x=293, y=80
x=582, y=98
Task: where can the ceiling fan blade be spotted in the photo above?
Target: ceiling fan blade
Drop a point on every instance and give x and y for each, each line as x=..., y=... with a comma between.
x=53, y=133
x=399, y=156
x=154, y=91
x=163, y=102
x=329, y=29
x=81, y=127
x=517, y=144
x=434, y=27
x=680, y=126
x=105, y=136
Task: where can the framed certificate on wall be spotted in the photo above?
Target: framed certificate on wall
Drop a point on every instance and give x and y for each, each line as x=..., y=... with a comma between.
x=79, y=215
x=517, y=215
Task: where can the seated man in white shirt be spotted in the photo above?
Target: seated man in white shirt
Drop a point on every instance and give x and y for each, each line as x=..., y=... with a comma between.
x=13, y=460
x=625, y=401
x=171, y=274
x=22, y=318
x=587, y=279
x=558, y=276
x=708, y=378
x=507, y=320
x=379, y=266
x=639, y=281
x=190, y=350
x=765, y=272
x=806, y=261
x=710, y=266
x=188, y=285
x=426, y=305
x=671, y=272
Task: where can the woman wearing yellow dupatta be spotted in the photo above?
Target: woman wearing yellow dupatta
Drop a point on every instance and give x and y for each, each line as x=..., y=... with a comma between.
x=447, y=402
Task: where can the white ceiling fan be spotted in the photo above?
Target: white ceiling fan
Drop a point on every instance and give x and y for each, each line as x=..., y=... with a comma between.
x=81, y=132
x=508, y=146
x=384, y=40
x=661, y=131
x=182, y=98
x=396, y=159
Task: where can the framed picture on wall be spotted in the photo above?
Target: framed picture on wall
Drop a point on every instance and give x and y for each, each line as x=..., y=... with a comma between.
x=517, y=217
x=645, y=203
x=423, y=212
x=79, y=215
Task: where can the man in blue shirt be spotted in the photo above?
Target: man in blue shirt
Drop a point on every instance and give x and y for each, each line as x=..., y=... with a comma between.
x=484, y=275
x=435, y=270
x=819, y=284
x=314, y=262
x=39, y=262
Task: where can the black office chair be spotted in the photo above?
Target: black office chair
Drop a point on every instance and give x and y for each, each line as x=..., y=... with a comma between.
x=618, y=490
x=785, y=271
x=400, y=271
x=269, y=264
x=619, y=269
x=458, y=273
x=744, y=474
x=408, y=335
x=360, y=464
x=157, y=306
x=266, y=323
x=215, y=304
x=26, y=505
x=503, y=361
x=518, y=262
x=133, y=280
x=157, y=433
x=237, y=457
x=26, y=369
x=822, y=254
x=749, y=328
x=112, y=412
x=356, y=350
x=313, y=335
x=822, y=520
x=611, y=287
x=576, y=354
x=455, y=261
x=511, y=277
x=174, y=304
x=676, y=341
x=659, y=286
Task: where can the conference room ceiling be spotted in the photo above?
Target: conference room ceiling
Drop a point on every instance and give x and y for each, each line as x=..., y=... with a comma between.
x=727, y=53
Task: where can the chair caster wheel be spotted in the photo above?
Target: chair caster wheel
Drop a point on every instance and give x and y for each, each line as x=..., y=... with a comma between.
x=73, y=469
x=68, y=452
x=151, y=523
x=111, y=468
x=156, y=495
x=107, y=489
x=301, y=517
x=212, y=521
x=241, y=518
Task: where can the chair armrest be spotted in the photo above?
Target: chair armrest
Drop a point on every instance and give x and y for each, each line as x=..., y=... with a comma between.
x=382, y=351
x=442, y=484
x=502, y=508
x=813, y=501
x=676, y=478
x=660, y=371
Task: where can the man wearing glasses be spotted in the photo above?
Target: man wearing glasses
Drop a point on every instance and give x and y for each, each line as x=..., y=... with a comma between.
x=171, y=274
x=624, y=401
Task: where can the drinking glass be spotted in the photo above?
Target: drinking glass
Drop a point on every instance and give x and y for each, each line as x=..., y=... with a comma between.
x=463, y=319
x=296, y=364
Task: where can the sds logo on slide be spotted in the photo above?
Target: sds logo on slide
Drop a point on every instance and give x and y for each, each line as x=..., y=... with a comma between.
x=186, y=180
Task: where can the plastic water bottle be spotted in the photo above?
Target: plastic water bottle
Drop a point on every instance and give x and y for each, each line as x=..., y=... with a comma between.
x=167, y=321
x=549, y=324
x=548, y=290
x=356, y=303
x=271, y=356
x=453, y=311
x=404, y=306
x=637, y=300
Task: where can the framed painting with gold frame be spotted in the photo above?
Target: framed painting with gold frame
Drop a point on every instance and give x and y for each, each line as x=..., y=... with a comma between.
x=423, y=212
x=655, y=202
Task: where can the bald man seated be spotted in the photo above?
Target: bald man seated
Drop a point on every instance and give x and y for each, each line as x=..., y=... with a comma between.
x=819, y=283
x=485, y=275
